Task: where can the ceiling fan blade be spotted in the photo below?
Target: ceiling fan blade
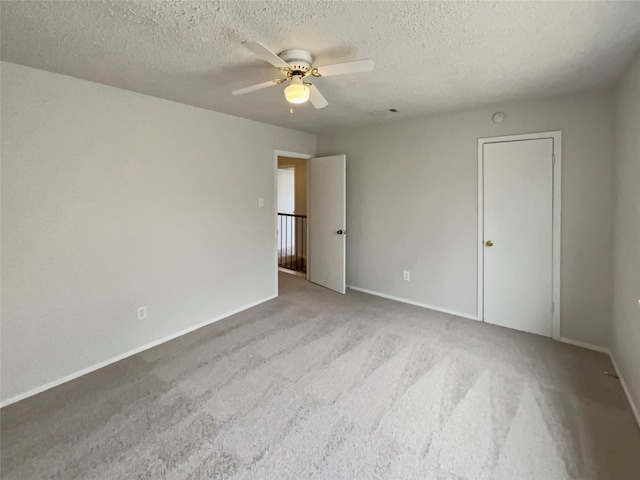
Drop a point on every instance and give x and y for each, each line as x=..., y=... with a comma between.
x=316, y=98
x=264, y=53
x=258, y=86
x=357, y=66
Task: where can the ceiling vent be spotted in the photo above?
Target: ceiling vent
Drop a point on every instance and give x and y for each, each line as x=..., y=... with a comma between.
x=388, y=111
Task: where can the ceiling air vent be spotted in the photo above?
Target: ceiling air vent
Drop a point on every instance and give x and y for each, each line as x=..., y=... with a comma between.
x=388, y=111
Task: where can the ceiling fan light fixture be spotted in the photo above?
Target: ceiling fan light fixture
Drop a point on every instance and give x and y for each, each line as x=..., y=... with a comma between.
x=296, y=65
x=297, y=92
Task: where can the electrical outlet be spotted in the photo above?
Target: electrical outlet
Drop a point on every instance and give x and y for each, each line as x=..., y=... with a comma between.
x=142, y=312
x=407, y=276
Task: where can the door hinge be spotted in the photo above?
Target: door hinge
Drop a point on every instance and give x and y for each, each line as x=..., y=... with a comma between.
x=553, y=306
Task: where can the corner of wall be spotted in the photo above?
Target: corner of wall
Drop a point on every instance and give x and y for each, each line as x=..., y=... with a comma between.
x=625, y=311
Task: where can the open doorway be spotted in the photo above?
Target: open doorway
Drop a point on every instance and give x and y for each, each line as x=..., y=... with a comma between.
x=318, y=242
x=292, y=214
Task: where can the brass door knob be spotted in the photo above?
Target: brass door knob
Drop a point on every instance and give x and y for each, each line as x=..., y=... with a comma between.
x=489, y=243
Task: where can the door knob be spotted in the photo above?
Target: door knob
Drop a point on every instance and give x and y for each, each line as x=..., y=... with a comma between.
x=340, y=232
x=489, y=243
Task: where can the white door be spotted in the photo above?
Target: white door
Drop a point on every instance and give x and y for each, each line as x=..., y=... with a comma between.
x=327, y=221
x=518, y=234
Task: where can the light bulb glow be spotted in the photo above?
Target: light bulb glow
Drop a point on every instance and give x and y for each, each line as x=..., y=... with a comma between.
x=297, y=92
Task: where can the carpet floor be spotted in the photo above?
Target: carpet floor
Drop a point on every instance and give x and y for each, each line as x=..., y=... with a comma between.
x=317, y=385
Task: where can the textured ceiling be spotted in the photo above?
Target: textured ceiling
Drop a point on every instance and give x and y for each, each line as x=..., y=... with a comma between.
x=430, y=56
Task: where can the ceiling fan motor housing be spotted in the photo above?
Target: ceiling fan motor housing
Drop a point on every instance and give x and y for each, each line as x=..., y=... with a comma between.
x=299, y=60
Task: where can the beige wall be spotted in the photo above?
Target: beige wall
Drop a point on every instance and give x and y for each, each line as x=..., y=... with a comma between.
x=300, y=181
x=111, y=200
x=412, y=205
x=626, y=246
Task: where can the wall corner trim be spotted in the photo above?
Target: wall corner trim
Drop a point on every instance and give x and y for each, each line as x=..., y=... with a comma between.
x=411, y=302
x=99, y=365
x=597, y=348
x=634, y=407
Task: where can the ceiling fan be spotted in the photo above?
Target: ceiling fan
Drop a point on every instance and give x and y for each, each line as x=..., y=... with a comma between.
x=297, y=66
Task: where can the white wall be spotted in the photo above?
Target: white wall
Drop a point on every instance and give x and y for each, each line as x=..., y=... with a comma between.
x=286, y=190
x=300, y=165
x=626, y=247
x=412, y=205
x=286, y=204
x=112, y=199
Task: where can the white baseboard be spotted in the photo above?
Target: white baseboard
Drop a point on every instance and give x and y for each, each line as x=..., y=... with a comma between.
x=589, y=346
x=117, y=358
x=634, y=409
x=411, y=302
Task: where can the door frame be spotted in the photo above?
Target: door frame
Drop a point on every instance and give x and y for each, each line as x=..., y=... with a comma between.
x=303, y=156
x=556, y=137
